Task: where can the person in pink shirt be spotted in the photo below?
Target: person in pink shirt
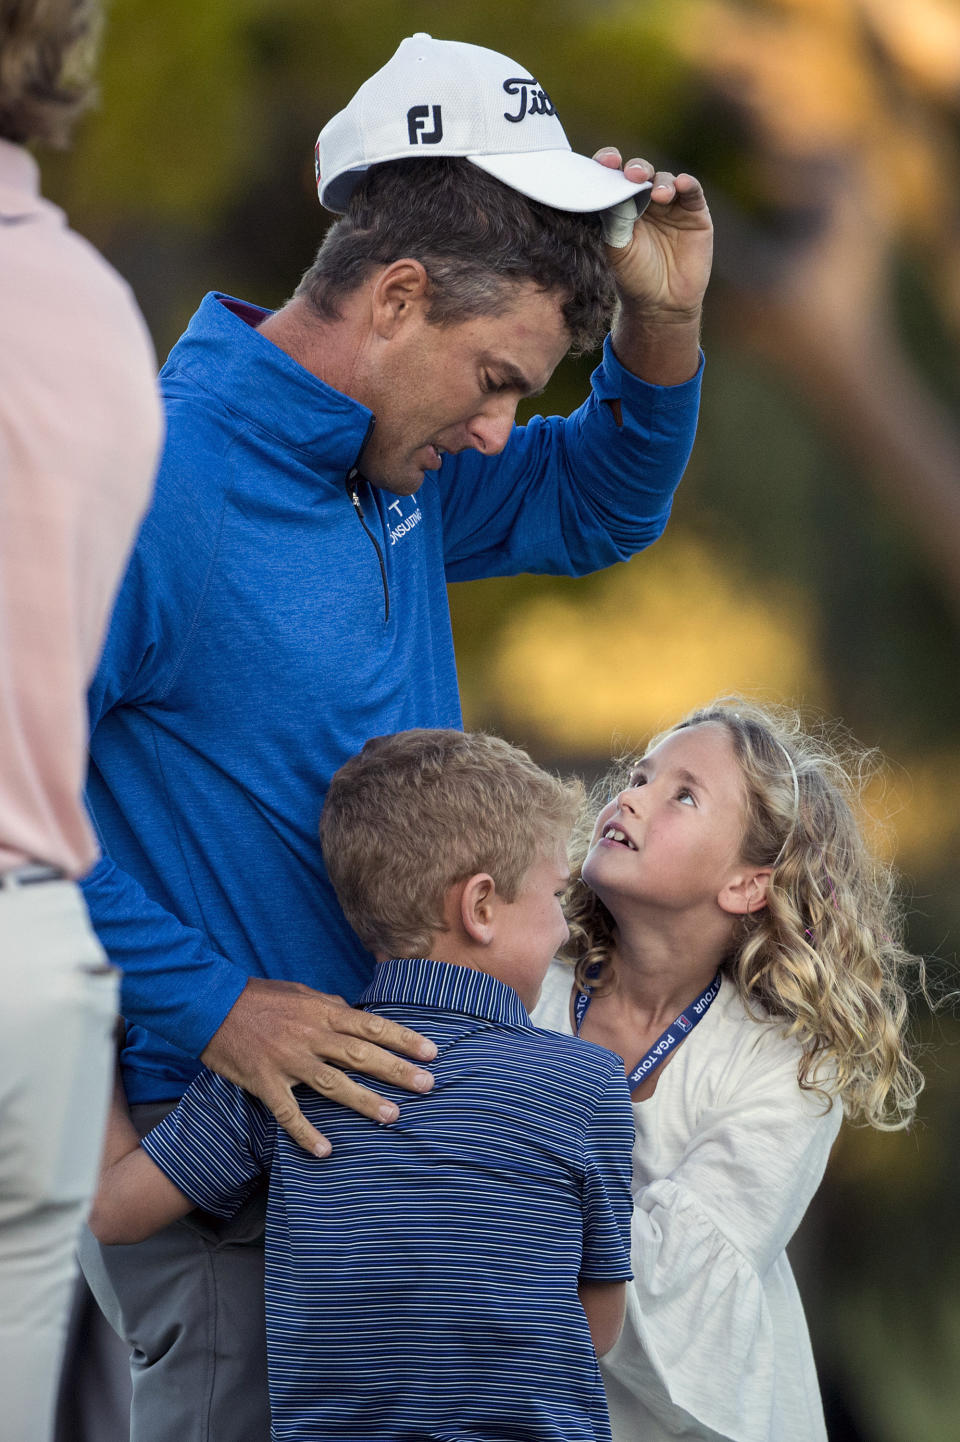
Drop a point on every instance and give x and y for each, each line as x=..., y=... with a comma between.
x=80, y=432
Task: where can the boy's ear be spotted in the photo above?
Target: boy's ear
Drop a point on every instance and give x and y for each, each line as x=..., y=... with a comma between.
x=478, y=898
x=746, y=891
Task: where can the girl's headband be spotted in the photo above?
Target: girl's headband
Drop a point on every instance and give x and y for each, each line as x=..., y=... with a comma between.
x=794, y=778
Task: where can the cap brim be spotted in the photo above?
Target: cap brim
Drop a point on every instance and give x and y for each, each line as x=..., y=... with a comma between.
x=563, y=179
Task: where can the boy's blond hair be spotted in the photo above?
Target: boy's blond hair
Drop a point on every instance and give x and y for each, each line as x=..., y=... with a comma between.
x=414, y=813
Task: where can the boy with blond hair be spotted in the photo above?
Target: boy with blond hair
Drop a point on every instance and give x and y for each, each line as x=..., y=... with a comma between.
x=456, y=1274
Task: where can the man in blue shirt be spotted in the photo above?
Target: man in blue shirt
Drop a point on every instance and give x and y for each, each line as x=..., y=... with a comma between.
x=442, y=1279
x=328, y=469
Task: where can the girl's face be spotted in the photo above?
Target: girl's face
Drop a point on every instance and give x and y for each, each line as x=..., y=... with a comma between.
x=671, y=840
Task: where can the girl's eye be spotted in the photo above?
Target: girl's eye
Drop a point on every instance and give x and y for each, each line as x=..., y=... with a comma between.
x=686, y=796
x=637, y=778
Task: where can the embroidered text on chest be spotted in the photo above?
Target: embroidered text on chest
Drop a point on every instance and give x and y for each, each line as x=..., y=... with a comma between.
x=400, y=525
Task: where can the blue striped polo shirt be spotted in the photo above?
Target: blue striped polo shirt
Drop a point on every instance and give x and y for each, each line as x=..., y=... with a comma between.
x=421, y=1282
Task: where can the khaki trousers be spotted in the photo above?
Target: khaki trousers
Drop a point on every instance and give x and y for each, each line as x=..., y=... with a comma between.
x=58, y=1002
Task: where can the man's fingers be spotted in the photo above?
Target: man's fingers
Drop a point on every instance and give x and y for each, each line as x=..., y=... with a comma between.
x=350, y=1022
x=278, y=1034
x=343, y=1048
x=664, y=186
x=690, y=192
x=638, y=170
x=337, y=1087
x=683, y=188
x=291, y=1118
x=357, y=1041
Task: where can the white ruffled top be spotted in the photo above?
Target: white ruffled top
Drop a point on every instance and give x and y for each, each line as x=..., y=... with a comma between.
x=729, y=1152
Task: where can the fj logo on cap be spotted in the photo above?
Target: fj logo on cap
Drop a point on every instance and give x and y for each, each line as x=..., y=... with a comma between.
x=531, y=99
x=417, y=117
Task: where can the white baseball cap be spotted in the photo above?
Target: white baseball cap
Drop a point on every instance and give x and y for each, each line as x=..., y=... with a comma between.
x=443, y=97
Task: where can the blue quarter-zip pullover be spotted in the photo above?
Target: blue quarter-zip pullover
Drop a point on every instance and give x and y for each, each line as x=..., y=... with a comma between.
x=277, y=612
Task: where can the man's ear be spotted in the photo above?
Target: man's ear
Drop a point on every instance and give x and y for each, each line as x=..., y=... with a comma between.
x=478, y=901
x=398, y=292
x=746, y=891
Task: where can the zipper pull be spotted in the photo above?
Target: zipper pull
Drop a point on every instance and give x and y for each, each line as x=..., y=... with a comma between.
x=351, y=489
x=352, y=492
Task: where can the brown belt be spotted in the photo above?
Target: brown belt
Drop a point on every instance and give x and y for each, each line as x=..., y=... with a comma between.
x=30, y=875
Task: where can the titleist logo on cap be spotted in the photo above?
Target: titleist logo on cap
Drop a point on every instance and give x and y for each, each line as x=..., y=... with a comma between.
x=533, y=99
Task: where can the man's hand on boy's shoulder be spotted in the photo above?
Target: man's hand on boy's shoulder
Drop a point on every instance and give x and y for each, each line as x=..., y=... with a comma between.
x=279, y=1033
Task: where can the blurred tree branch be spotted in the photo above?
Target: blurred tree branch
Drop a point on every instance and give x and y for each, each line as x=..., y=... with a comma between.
x=848, y=119
x=827, y=319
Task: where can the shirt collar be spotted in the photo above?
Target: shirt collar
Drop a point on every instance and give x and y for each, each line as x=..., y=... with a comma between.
x=19, y=184
x=418, y=981
x=221, y=351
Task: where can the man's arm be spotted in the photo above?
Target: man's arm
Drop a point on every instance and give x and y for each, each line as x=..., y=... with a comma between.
x=264, y=1035
x=279, y=1033
x=134, y=1198
x=571, y=495
x=574, y=494
x=605, y=1304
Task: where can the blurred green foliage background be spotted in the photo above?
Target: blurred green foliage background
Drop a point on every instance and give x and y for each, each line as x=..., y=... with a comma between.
x=814, y=552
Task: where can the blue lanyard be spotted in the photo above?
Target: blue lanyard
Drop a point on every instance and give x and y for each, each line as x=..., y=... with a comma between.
x=671, y=1038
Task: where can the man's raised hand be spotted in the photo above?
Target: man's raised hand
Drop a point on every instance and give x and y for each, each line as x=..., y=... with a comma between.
x=661, y=274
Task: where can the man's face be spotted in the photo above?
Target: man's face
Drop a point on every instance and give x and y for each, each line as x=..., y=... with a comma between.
x=443, y=389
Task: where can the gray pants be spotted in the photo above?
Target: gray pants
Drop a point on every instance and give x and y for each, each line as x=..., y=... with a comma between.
x=189, y=1303
x=58, y=1002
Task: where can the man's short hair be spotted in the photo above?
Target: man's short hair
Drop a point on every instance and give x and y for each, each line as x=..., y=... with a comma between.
x=477, y=240
x=46, y=62
x=414, y=813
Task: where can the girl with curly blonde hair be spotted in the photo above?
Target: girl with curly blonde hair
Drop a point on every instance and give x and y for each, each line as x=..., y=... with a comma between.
x=733, y=938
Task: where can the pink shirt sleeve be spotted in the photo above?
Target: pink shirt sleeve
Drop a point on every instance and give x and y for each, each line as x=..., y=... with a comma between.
x=80, y=431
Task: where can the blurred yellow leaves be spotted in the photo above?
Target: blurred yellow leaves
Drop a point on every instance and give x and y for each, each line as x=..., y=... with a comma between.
x=600, y=666
x=924, y=38
x=811, y=64
x=807, y=72
x=916, y=807
x=650, y=639
x=797, y=67
x=858, y=79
